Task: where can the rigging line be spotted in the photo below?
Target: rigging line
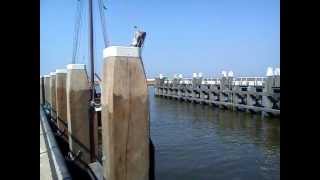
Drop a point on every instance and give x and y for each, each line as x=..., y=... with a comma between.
x=82, y=47
x=76, y=30
x=79, y=33
x=102, y=7
x=95, y=35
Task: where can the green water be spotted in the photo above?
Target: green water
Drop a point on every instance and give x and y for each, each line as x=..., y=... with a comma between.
x=200, y=142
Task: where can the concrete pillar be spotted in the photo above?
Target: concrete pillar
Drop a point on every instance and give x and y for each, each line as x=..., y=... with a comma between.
x=47, y=90
x=266, y=102
x=78, y=96
x=53, y=95
x=125, y=115
x=250, y=100
x=61, y=100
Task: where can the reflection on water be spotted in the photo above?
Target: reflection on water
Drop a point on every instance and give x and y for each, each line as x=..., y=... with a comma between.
x=202, y=142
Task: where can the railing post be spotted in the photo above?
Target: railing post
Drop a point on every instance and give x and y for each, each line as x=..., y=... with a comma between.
x=125, y=115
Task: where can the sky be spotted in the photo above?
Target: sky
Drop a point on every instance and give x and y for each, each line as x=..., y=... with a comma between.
x=183, y=36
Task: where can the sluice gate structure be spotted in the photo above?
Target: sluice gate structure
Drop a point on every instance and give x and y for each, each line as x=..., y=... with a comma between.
x=249, y=94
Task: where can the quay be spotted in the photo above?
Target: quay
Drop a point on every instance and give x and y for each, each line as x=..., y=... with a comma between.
x=250, y=94
x=52, y=164
x=107, y=138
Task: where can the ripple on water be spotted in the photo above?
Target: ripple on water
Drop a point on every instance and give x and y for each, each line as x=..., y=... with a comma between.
x=200, y=142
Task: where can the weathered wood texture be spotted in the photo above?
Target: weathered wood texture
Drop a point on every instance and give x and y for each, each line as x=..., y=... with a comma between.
x=125, y=119
x=47, y=89
x=61, y=102
x=41, y=90
x=53, y=96
x=78, y=95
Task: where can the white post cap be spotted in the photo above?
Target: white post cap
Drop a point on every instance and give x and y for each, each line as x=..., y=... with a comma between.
x=230, y=74
x=76, y=66
x=180, y=76
x=175, y=76
x=194, y=75
x=61, y=71
x=160, y=76
x=224, y=73
x=277, y=72
x=269, y=71
x=126, y=51
x=52, y=74
x=46, y=76
x=200, y=75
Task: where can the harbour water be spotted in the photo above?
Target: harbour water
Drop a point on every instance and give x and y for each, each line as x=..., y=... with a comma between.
x=200, y=142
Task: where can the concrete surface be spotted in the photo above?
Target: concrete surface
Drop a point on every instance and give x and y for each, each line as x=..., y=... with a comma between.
x=45, y=168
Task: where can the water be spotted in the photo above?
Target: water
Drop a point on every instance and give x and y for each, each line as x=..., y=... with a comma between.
x=200, y=142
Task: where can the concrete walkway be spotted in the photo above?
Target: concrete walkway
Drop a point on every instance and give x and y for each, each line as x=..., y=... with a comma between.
x=45, y=168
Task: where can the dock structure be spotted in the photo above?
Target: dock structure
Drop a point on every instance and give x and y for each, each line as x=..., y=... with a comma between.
x=251, y=94
x=125, y=115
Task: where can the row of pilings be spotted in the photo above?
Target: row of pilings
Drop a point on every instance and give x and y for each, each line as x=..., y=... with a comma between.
x=125, y=140
x=250, y=94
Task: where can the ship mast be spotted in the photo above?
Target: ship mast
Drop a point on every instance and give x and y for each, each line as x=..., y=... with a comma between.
x=92, y=84
x=91, y=52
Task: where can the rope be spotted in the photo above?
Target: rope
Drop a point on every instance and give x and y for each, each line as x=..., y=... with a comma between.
x=77, y=27
x=66, y=134
x=103, y=22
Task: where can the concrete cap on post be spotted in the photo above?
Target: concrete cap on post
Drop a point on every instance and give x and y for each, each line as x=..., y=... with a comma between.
x=200, y=75
x=64, y=71
x=124, y=51
x=269, y=71
x=277, y=72
x=230, y=74
x=46, y=76
x=52, y=74
x=224, y=73
x=160, y=76
x=76, y=66
x=180, y=76
x=195, y=75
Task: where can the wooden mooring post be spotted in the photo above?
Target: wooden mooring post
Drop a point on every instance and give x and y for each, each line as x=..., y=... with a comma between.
x=61, y=101
x=78, y=95
x=47, y=95
x=42, y=99
x=53, y=95
x=125, y=115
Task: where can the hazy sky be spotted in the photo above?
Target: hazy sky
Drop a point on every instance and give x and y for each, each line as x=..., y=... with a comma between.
x=183, y=36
